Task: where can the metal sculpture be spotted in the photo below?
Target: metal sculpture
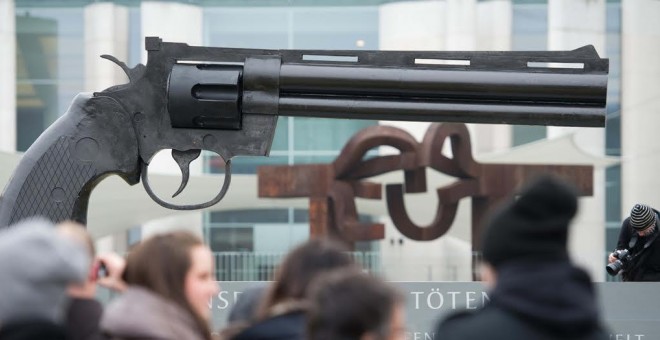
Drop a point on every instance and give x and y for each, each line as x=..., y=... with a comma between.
x=226, y=100
x=332, y=188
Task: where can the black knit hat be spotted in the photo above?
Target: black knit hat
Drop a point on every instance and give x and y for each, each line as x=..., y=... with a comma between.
x=641, y=217
x=535, y=226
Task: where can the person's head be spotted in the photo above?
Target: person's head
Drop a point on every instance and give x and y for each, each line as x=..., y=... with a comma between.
x=349, y=304
x=77, y=233
x=299, y=268
x=533, y=227
x=37, y=265
x=179, y=267
x=643, y=219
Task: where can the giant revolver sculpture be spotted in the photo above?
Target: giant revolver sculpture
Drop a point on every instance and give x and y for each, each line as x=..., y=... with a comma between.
x=189, y=98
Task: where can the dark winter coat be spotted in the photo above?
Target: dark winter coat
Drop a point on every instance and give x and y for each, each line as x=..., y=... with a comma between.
x=32, y=330
x=646, y=266
x=289, y=326
x=83, y=320
x=540, y=301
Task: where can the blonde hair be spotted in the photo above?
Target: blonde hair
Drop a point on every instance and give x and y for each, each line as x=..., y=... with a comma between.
x=78, y=233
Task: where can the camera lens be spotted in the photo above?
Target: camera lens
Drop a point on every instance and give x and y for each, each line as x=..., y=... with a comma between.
x=614, y=267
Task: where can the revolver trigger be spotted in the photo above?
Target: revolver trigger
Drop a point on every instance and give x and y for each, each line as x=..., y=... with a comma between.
x=183, y=159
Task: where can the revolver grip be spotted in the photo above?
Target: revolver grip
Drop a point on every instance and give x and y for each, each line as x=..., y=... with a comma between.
x=93, y=139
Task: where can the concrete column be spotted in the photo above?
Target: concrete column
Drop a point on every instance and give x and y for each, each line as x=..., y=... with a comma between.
x=494, y=25
x=160, y=18
x=171, y=21
x=441, y=26
x=587, y=234
x=106, y=32
x=573, y=24
x=7, y=76
x=461, y=33
x=461, y=23
x=494, y=33
x=640, y=101
x=413, y=26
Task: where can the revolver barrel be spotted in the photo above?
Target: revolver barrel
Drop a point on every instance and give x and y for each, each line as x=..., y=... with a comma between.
x=436, y=95
x=444, y=85
x=562, y=88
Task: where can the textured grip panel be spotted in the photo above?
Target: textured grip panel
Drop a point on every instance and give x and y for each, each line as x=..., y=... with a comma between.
x=53, y=185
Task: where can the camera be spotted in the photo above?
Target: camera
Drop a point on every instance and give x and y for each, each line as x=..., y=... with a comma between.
x=624, y=259
x=101, y=270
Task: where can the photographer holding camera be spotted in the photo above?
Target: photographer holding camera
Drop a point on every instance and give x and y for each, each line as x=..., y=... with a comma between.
x=637, y=254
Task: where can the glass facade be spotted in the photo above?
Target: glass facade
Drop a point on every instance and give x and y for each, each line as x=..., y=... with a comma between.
x=49, y=55
x=297, y=140
x=613, y=207
x=530, y=32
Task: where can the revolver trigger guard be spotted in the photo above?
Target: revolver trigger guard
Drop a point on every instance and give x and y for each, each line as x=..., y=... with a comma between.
x=215, y=200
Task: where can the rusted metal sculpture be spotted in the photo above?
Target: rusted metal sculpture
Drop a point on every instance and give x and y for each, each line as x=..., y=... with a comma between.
x=332, y=188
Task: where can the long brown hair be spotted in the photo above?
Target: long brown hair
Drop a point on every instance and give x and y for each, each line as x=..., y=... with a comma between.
x=160, y=264
x=299, y=268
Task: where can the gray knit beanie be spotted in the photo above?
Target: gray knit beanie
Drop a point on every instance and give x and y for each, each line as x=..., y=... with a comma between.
x=36, y=267
x=641, y=217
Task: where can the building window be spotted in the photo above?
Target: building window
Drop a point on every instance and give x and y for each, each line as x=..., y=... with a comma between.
x=240, y=239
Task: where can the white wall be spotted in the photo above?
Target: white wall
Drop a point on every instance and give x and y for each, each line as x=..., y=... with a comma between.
x=573, y=24
x=106, y=32
x=171, y=21
x=640, y=101
x=160, y=18
x=412, y=26
x=494, y=33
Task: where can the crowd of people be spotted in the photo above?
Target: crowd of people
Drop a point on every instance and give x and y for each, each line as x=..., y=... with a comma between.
x=49, y=276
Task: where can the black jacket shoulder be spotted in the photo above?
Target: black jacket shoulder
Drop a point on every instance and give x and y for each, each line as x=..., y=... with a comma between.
x=32, y=330
x=83, y=320
x=289, y=326
x=494, y=323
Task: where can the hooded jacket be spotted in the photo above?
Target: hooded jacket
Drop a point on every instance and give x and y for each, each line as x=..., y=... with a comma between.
x=36, y=267
x=532, y=300
x=140, y=314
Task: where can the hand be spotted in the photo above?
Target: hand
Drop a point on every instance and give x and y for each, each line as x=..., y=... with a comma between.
x=611, y=258
x=115, y=266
